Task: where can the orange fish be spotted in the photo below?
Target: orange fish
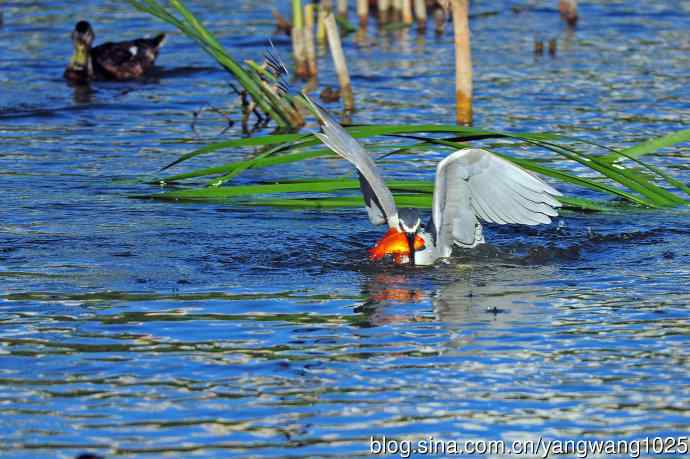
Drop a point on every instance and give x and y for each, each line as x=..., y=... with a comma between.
x=394, y=242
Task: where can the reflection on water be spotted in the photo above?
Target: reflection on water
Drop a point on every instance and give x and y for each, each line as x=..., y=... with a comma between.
x=142, y=329
x=82, y=94
x=499, y=297
x=498, y=301
x=476, y=295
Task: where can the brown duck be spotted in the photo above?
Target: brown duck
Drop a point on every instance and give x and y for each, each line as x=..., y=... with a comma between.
x=125, y=60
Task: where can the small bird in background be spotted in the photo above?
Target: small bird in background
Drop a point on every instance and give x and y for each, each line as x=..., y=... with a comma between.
x=125, y=60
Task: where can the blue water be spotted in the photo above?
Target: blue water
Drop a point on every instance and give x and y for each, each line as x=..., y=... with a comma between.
x=135, y=328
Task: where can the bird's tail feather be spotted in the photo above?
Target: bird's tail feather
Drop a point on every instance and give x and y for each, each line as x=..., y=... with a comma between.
x=333, y=135
x=275, y=67
x=158, y=40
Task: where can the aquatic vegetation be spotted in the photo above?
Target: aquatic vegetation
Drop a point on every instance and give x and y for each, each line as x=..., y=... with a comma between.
x=255, y=81
x=619, y=173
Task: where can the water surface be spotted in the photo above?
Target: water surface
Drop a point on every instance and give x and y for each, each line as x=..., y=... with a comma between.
x=143, y=329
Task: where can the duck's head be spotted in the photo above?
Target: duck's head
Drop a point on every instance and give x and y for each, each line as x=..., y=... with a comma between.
x=83, y=35
x=79, y=68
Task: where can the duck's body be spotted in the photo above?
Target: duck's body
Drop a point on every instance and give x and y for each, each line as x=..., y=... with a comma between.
x=125, y=60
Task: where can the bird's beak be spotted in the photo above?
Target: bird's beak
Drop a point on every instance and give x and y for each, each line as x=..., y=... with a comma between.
x=410, y=243
x=81, y=51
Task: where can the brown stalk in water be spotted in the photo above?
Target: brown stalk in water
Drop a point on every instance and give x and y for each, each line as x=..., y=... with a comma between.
x=325, y=7
x=299, y=47
x=463, y=62
x=310, y=46
x=420, y=13
x=568, y=9
x=384, y=7
x=340, y=63
x=363, y=13
x=407, y=12
x=342, y=9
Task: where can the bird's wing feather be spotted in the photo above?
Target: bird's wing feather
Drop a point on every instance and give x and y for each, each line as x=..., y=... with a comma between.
x=453, y=217
x=114, y=54
x=377, y=197
x=374, y=209
x=127, y=59
x=473, y=183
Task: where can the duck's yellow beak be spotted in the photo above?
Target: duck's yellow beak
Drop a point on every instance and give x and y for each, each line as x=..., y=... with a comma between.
x=80, y=57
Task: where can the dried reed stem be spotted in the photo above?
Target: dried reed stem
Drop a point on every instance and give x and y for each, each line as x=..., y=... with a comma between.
x=420, y=13
x=439, y=21
x=407, y=12
x=339, y=61
x=342, y=8
x=568, y=9
x=325, y=7
x=363, y=13
x=463, y=62
x=384, y=10
x=310, y=46
x=299, y=49
x=397, y=10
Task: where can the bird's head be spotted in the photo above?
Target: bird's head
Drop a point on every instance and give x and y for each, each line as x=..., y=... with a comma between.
x=401, y=242
x=410, y=223
x=83, y=35
x=82, y=38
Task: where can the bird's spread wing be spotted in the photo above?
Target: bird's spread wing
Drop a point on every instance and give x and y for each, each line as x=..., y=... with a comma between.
x=377, y=197
x=474, y=183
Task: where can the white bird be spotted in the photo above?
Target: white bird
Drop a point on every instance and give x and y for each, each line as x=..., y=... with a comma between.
x=471, y=184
